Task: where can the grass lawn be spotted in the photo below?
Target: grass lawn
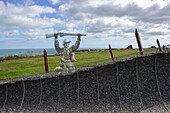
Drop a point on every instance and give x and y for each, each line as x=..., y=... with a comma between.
x=20, y=67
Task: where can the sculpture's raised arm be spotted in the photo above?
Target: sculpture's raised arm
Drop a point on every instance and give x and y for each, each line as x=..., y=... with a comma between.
x=57, y=47
x=77, y=43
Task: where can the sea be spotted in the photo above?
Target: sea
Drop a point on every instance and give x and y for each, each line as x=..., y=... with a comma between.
x=23, y=52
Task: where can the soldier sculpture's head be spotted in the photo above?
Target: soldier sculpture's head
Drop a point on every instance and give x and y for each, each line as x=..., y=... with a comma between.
x=66, y=43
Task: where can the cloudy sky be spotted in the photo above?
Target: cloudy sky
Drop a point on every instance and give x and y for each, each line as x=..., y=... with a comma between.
x=24, y=23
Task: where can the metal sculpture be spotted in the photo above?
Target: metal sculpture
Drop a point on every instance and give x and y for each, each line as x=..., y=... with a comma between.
x=66, y=54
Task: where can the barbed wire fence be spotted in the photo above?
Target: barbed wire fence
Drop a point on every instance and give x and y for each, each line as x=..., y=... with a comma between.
x=126, y=92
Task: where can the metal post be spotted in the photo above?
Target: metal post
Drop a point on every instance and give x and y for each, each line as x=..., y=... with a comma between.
x=139, y=42
x=45, y=61
x=158, y=44
x=110, y=50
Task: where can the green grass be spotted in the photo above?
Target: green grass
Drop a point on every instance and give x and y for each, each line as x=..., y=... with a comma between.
x=20, y=67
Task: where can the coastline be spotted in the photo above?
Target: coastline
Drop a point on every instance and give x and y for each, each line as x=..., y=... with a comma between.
x=4, y=53
x=55, y=53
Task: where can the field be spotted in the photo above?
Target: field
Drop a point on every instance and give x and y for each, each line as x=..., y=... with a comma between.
x=24, y=66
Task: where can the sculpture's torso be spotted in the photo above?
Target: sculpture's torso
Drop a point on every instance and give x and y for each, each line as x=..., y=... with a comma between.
x=67, y=54
x=67, y=59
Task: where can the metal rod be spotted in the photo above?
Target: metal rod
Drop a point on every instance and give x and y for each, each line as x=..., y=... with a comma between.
x=45, y=61
x=139, y=42
x=158, y=44
x=98, y=93
x=6, y=96
x=58, y=104
x=137, y=83
x=23, y=95
x=78, y=93
x=70, y=34
x=110, y=50
x=63, y=34
x=41, y=88
x=118, y=85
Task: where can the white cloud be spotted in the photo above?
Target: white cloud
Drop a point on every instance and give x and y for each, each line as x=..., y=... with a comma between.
x=54, y=2
x=99, y=19
x=11, y=33
x=116, y=19
x=24, y=17
x=37, y=33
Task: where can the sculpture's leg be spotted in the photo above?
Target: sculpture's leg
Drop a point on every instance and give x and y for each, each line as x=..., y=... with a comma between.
x=68, y=67
x=71, y=67
x=65, y=68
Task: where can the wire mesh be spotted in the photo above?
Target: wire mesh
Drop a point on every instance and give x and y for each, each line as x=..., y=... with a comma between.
x=58, y=102
x=41, y=92
x=157, y=84
x=98, y=93
x=134, y=85
x=23, y=96
x=118, y=86
x=78, y=91
x=137, y=83
x=6, y=95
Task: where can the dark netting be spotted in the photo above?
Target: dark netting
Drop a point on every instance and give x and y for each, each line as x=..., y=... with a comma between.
x=14, y=97
x=3, y=97
x=68, y=94
x=50, y=92
x=32, y=95
x=128, y=86
x=88, y=91
x=163, y=80
x=139, y=84
x=147, y=82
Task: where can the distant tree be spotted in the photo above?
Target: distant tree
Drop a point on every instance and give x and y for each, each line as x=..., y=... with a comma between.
x=129, y=47
x=152, y=47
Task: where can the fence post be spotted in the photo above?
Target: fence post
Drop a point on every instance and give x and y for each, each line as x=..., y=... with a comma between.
x=45, y=61
x=158, y=44
x=139, y=42
x=110, y=50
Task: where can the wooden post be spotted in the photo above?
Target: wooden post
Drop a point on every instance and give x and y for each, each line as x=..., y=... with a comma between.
x=139, y=42
x=158, y=44
x=110, y=50
x=45, y=61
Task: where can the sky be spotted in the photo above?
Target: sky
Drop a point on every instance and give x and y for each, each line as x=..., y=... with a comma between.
x=24, y=23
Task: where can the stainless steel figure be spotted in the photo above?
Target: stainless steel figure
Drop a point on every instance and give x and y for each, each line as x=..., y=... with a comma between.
x=66, y=54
